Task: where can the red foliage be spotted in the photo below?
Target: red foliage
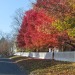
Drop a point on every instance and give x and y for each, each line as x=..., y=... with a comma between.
x=37, y=31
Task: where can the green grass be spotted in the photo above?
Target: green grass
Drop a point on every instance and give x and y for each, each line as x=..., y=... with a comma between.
x=45, y=67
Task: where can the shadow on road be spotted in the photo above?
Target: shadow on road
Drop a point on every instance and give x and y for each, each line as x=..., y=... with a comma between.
x=8, y=67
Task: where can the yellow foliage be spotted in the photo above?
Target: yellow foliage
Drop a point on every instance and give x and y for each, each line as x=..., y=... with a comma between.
x=71, y=32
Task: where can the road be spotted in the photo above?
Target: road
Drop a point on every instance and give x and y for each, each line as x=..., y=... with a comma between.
x=7, y=67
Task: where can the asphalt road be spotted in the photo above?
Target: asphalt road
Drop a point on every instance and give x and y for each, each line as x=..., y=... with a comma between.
x=7, y=67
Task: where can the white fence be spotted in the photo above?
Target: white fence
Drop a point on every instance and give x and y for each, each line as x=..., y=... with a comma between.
x=41, y=55
x=63, y=56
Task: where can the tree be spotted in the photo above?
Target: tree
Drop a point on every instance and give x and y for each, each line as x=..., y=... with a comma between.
x=66, y=17
x=65, y=8
x=17, y=19
x=3, y=47
x=16, y=24
x=37, y=31
x=43, y=26
x=5, y=44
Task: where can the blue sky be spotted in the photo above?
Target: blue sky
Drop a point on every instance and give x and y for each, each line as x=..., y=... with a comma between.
x=7, y=10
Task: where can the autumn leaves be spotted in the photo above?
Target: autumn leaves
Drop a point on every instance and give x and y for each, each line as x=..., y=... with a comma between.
x=48, y=24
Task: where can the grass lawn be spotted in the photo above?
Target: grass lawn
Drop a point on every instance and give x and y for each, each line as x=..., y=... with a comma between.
x=45, y=67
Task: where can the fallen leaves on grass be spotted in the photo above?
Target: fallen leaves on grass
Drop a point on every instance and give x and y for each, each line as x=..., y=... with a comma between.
x=45, y=67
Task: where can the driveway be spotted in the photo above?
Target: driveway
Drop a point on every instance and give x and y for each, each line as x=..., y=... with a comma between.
x=7, y=67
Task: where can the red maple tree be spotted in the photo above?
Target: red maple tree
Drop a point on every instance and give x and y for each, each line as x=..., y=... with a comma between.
x=37, y=31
